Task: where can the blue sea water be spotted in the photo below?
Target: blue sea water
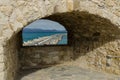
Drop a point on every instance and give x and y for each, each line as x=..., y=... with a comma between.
x=30, y=36
x=64, y=40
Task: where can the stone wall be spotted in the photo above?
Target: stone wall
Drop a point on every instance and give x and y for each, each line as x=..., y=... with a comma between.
x=9, y=64
x=12, y=49
x=46, y=56
x=15, y=14
x=109, y=9
x=91, y=40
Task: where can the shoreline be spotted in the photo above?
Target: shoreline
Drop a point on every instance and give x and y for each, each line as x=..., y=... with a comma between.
x=47, y=40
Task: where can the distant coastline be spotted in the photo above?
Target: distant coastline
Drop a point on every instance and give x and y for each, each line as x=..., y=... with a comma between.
x=30, y=36
x=47, y=40
x=27, y=30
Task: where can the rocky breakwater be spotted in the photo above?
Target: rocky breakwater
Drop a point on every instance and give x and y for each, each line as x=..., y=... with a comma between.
x=47, y=40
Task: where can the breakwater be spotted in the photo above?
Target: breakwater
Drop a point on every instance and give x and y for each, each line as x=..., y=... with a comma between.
x=47, y=40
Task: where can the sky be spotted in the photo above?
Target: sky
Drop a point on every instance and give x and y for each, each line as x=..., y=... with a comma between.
x=45, y=25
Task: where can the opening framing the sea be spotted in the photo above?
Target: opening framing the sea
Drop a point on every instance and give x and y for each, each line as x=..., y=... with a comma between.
x=28, y=36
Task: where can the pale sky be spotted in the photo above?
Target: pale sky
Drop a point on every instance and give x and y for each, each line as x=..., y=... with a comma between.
x=45, y=25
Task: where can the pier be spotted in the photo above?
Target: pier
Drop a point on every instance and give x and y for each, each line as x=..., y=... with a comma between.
x=47, y=40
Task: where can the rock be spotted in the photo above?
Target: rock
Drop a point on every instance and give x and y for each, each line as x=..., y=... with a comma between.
x=7, y=10
x=110, y=2
x=20, y=3
x=17, y=26
x=5, y=2
x=7, y=31
x=15, y=14
x=3, y=19
x=2, y=67
x=1, y=29
x=2, y=58
x=2, y=75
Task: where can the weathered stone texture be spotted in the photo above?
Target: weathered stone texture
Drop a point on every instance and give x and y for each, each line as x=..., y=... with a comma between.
x=11, y=50
x=3, y=75
x=43, y=57
x=19, y=13
x=92, y=39
x=2, y=67
x=107, y=8
x=15, y=14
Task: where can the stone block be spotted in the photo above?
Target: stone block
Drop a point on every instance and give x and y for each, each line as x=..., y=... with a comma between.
x=3, y=19
x=2, y=67
x=20, y=3
x=1, y=50
x=6, y=33
x=1, y=57
x=70, y=5
x=5, y=2
x=110, y=2
x=1, y=28
x=6, y=10
x=2, y=75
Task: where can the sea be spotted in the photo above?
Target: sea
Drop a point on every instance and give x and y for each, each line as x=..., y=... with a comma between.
x=27, y=36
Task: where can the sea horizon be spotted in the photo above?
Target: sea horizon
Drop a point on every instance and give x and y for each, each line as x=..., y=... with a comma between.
x=28, y=36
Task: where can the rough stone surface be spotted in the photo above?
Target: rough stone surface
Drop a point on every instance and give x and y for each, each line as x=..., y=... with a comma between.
x=106, y=8
x=15, y=14
x=87, y=46
x=92, y=38
x=3, y=75
x=65, y=72
x=42, y=56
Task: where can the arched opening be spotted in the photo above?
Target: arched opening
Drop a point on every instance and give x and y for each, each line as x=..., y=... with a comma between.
x=90, y=37
x=44, y=32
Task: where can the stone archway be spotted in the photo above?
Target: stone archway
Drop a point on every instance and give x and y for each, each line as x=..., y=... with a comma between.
x=90, y=37
x=16, y=14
